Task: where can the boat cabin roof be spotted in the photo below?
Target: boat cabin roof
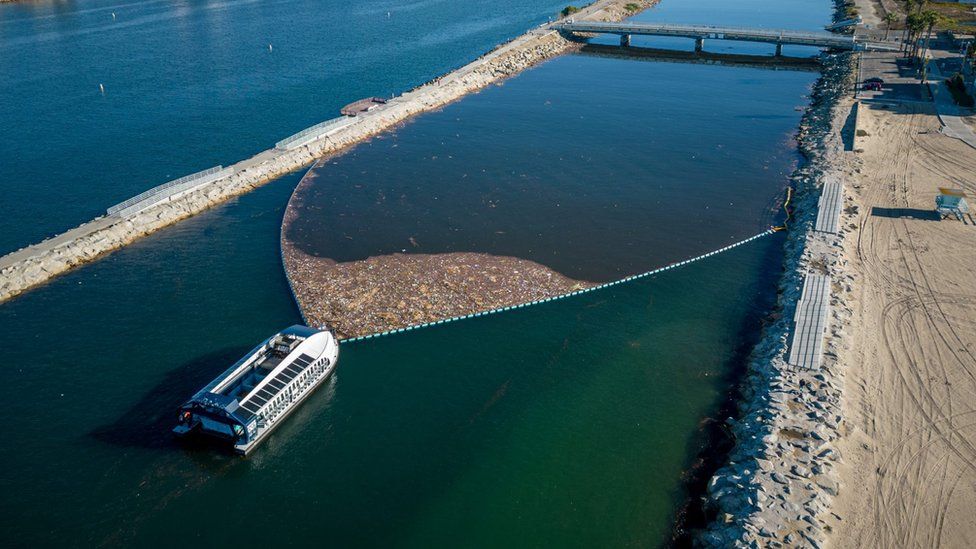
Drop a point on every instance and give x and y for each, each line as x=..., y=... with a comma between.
x=244, y=388
x=250, y=406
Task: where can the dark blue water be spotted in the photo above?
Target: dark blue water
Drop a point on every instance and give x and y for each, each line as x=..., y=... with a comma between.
x=596, y=167
x=805, y=15
x=567, y=424
x=189, y=85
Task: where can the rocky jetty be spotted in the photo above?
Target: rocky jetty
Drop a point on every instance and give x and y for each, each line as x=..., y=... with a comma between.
x=780, y=479
x=37, y=264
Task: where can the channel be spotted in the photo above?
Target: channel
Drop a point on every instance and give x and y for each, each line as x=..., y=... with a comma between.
x=567, y=423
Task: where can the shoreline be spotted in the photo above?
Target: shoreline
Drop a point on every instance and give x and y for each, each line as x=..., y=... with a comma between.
x=34, y=265
x=871, y=448
x=777, y=483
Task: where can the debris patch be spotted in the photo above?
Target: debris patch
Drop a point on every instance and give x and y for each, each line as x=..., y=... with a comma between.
x=399, y=290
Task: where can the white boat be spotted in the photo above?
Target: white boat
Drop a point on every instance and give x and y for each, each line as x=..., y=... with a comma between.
x=248, y=401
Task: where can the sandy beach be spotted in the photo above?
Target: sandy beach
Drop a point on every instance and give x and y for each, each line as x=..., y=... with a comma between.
x=909, y=461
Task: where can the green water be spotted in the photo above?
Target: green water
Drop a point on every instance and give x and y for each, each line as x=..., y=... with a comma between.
x=567, y=424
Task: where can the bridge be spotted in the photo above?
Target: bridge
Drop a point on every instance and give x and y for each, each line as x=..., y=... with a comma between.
x=765, y=62
x=702, y=32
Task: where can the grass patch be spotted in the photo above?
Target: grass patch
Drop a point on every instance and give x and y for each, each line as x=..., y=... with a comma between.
x=962, y=13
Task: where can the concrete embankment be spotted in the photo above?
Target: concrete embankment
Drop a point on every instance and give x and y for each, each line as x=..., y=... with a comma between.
x=778, y=484
x=36, y=264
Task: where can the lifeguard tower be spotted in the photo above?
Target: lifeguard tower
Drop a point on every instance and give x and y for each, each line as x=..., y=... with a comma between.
x=951, y=202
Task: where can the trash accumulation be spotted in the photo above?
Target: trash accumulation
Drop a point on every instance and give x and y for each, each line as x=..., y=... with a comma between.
x=399, y=290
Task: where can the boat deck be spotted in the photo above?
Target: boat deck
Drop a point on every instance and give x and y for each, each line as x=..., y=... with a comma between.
x=247, y=382
x=249, y=407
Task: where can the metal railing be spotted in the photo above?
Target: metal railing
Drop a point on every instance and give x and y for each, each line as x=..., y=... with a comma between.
x=310, y=134
x=168, y=190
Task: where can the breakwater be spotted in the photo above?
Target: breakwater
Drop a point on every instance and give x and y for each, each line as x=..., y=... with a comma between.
x=778, y=484
x=36, y=264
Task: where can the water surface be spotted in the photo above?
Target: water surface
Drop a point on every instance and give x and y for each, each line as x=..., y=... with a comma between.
x=596, y=167
x=192, y=84
x=567, y=424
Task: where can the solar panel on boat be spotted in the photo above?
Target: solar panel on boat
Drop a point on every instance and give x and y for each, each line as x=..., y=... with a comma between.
x=274, y=386
x=246, y=415
x=250, y=408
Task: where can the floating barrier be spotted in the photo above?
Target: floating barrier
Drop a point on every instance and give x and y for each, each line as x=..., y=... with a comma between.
x=566, y=295
x=284, y=267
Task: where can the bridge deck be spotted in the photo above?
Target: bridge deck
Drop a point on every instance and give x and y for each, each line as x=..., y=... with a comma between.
x=774, y=36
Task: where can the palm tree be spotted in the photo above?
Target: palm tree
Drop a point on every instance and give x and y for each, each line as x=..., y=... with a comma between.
x=889, y=18
x=914, y=25
x=931, y=19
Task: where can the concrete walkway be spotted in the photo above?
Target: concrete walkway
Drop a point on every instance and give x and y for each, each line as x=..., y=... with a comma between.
x=80, y=231
x=950, y=114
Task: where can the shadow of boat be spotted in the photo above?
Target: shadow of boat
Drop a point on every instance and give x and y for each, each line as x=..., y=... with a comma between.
x=147, y=423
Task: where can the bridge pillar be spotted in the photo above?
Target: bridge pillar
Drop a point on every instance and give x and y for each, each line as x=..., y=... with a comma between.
x=779, y=49
x=625, y=40
x=699, y=44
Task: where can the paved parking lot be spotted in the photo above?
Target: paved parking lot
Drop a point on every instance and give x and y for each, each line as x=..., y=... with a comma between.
x=901, y=79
